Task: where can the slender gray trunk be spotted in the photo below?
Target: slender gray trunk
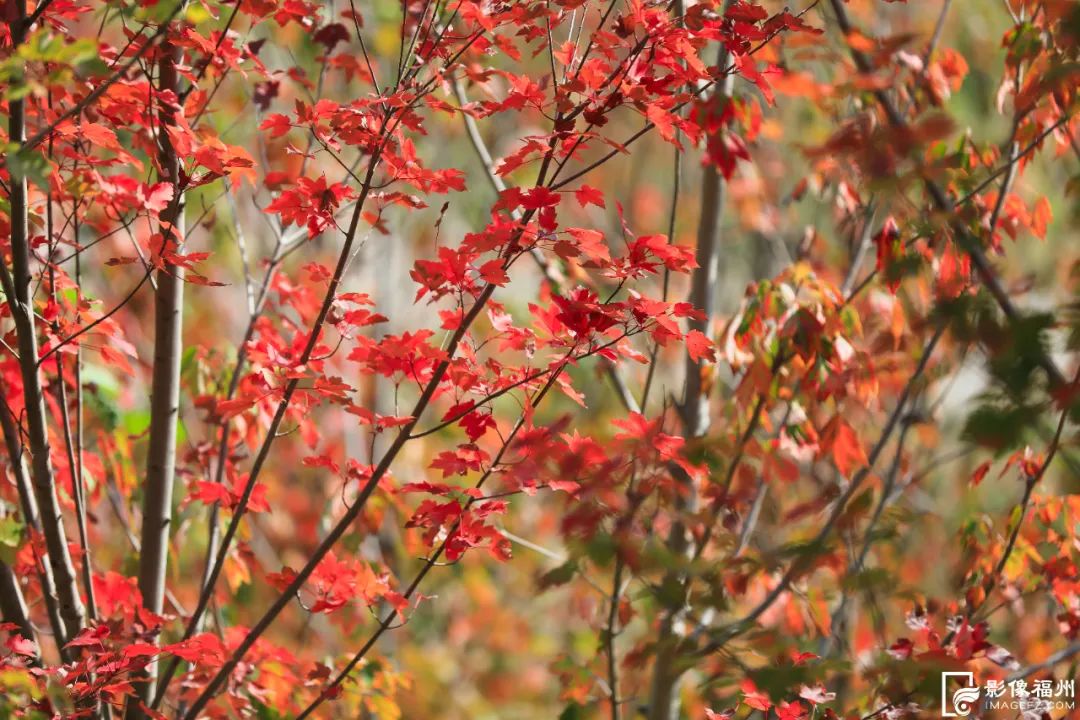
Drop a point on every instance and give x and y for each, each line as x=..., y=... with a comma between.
x=28, y=505
x=667, y=671
x=12, y=604
x=165, y=383
x=17, y=287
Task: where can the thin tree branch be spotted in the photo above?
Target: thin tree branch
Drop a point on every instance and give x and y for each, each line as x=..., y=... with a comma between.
x=943, y=203
x=1025, y=502
x=13, y=605
x=426, y=397
x=838, y=623
x=104, y=86
x=431, y=562
x=1047, y=664
x=272, y=432
x=77, y=482
x=74, y=464
x=732, y=630
x=551, y=272
x=369, y=487
x=611, y=631
x=389, y=124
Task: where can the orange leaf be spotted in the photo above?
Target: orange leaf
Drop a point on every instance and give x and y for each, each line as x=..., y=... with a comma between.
x=840, y=440
x=1041, y=216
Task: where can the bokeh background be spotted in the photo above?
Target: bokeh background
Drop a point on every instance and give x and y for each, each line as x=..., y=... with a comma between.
x=508, y=640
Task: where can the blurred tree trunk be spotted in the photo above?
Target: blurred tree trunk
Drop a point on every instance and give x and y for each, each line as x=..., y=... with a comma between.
x=664, y=693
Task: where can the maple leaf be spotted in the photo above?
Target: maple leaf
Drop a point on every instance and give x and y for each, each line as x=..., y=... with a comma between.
x=21, y=646
x=745, y=12
x=209, y=493
x=590, y=243
x=901, y=649
x=663, y=120
x=839, y=441
x=90, y=638
x=493, y=272
x=754, y=698
x=140, y=649
x=203, y=649
x=330, y=35
x=587, y=195
x=539, y=197
x=953, y=273
x=889, y=250
x=700, y=347
x=277, y=124
x=1041, y=216
x=312, y=203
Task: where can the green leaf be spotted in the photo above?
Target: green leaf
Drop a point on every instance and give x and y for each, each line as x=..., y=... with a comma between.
x=265, y=712
x=1001, y=427
x=30, y=165
x=11, y=530
x=558, y=576
x=780, y=681
x=600, y=549
x=573, y=711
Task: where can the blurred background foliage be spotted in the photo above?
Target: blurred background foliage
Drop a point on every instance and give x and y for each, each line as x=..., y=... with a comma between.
x=519, y=639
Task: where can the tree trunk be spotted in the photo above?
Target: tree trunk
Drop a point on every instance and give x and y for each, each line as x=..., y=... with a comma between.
x=28, y=506
x=165, y=383
x=667, y=672
x=12, y=604
x=17, y=287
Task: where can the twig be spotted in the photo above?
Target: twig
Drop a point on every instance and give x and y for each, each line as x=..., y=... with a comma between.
x=1047, y=664
x=13, y=605
x=551, y=271
x=271, y=435
x=28, y=506
x=610, y=633
x=429, y=564
x=104, y=86
x=947, y=206
x=738, y=627
x=339, y=529
x=1025, y=501
x=838, y=623
x=865, y=242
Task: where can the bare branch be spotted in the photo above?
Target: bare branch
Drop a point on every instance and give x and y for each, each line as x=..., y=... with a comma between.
x=1047, y=664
